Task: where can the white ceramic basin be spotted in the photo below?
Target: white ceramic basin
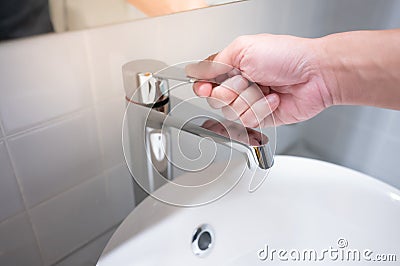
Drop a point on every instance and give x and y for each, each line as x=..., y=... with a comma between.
x=304, y=206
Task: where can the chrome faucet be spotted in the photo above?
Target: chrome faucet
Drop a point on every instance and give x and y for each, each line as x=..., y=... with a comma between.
x=147, y=91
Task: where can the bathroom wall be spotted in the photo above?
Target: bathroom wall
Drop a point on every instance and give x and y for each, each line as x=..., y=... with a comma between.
x=362, y=138
x=64, y=185
x=63, y=181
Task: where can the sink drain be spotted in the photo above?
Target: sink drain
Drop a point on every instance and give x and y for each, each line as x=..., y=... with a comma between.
x=202, y=240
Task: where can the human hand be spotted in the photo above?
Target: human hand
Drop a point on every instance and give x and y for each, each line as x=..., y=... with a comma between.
x=285, y=68
x=164, y=7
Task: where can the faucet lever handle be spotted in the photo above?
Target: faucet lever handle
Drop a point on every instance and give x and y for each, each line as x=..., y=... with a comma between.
x=179, y=74
x=174, y=73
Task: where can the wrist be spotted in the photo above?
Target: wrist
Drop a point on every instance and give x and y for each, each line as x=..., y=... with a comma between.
x=327, y=70
x=323, y=74
x=361, y=67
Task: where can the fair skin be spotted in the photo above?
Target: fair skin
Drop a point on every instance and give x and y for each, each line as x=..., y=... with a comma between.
x=296, y=78
x=154, y=8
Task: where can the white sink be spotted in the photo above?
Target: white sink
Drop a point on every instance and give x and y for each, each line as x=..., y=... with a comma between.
x=303, y=205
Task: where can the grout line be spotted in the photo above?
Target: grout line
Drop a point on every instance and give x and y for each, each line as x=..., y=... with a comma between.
x=87, y=243
x=3, y=133
x=102, y=173
x=12, y=216
x=27, y=210
x=89, y=62
x=67, y=190
x=24, y=202
x=100, y=138
x=96, y=102
x=90, y=68
x=52, y=121
x=90, y=65
x=109, y=229
x=7, y=138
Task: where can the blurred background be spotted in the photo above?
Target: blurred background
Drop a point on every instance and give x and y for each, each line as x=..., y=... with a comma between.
x=22, y=18
x=64, y=185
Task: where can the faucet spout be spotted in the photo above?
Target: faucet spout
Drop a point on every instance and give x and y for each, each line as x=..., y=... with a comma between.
x=150, y=116
x=252, y=143
x=246, y=140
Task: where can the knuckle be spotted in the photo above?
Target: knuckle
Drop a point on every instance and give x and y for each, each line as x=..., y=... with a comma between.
x=242, y=40
x=225, y=95
x=248, y=119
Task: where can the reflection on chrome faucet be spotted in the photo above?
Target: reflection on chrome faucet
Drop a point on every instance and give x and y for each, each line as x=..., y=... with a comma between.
x=149, y=98
x=252, y=139
x=252, y=143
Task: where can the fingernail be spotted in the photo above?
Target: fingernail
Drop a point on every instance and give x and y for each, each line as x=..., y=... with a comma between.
x=272, y=98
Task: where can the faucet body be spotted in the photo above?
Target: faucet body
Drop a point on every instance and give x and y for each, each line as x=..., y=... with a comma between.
x=149, y=123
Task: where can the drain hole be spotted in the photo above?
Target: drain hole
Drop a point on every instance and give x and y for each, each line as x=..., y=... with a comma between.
x=204, y=240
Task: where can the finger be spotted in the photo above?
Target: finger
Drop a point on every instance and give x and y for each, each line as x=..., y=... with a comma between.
x=202, y=89
x=243, y=102
x=254, y=116
x=233, y=72
x=272, y=120
x=228, y=91
x=233, y=53
x=269, y=121
x=219, y=63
